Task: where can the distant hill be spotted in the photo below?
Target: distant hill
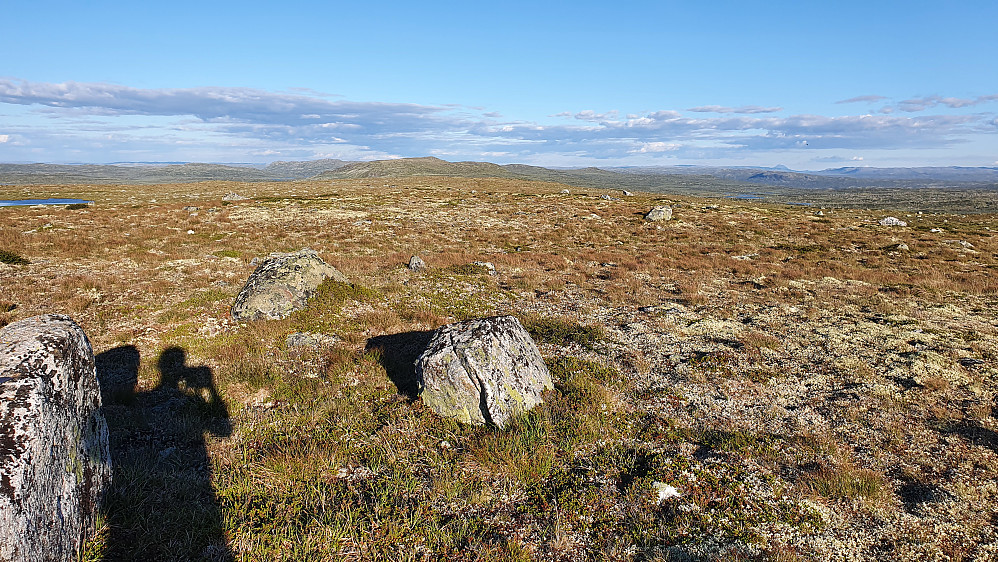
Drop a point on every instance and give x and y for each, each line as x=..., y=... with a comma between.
x=426, y=166
x=299, y=170
x=951, y=173
x=692, y=180
x=142, y=174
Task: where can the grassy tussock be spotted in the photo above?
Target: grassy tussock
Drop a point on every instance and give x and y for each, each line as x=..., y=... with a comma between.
x=561, y=331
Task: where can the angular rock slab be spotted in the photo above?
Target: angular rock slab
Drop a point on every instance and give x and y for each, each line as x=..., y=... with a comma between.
x=282, y=284
x=55, y=463
x=659, y=214
x=482, y=371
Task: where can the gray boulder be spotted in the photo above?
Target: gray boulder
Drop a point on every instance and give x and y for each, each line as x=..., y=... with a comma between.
x=282, y=284
x=416, y=264
x=55, y=462
x=892, y=221
x=659, y=214
x=482, y=371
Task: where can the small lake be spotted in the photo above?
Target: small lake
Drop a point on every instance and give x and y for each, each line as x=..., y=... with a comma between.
x=15, y=202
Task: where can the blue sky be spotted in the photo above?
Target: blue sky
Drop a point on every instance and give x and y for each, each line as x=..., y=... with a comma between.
x=548, y=83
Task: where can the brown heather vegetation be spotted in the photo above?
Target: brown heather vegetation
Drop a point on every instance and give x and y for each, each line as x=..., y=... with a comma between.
x=812, y=391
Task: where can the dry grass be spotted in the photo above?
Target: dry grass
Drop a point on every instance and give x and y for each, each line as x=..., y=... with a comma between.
x=785, y=374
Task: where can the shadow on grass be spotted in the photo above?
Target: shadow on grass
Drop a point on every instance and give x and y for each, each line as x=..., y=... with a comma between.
x=398, y=353
x=971, y=430
x=162, y=505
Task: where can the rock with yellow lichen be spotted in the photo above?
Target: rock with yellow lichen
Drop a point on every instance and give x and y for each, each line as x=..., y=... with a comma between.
x=483, y=371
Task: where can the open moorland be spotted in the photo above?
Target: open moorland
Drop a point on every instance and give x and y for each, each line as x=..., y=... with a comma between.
x=814, y=387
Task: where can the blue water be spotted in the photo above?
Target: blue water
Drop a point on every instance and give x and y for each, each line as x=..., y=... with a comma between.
x=4, y=203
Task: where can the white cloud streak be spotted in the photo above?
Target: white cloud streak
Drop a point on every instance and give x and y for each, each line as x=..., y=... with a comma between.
x=862, y=99
x=745, y=109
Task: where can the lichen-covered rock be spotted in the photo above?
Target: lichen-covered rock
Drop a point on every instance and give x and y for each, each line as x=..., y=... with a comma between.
x=416, y=264
x=282, y=284
x=892, y=221
x=659, y=214
x=54, y=459
x=311, y=340
x=482, y=371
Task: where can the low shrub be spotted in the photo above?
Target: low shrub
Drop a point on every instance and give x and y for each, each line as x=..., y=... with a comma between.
x=12, y=258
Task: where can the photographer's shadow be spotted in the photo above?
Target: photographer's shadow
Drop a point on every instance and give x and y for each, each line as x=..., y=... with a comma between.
x=162, y=504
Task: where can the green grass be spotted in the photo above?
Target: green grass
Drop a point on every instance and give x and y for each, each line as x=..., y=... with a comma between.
x=561, y=331
x=845, y=483
x=204, y=298
x=468, y=269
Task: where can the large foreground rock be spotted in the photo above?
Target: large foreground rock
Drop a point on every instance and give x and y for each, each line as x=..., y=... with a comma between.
x=282, y=284
x=482, y=371
x=54, y=459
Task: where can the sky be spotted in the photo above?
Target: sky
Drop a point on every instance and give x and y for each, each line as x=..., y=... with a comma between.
x=808, y=85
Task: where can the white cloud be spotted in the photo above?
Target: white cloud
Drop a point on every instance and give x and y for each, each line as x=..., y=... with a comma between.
x=745, y=109
x=86, y=120
x=590, y=115
x=656, y=147
x=858, y=99
x=921, y=104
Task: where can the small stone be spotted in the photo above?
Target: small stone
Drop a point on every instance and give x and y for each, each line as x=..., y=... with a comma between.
x=565, y=191
x=490, y=268
x=191, y=208
x=416, y=264
x=819, y=214
x=606, y=197
x=627, y=193
x=892, y=221
x=312, y=340
x=662, y=213
x=190, y=232
x=233, y=197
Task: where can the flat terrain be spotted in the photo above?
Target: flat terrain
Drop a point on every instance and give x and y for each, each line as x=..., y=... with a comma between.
x=814, y=387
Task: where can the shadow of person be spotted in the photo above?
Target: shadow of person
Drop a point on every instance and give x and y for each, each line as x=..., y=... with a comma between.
x=162, y=504
x=398, y=354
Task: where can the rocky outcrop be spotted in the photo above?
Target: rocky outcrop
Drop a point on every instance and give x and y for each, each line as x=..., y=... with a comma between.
x=54, y=459
x=659, y=214
x=282, y=284
x=482, y=371
x=892, y=221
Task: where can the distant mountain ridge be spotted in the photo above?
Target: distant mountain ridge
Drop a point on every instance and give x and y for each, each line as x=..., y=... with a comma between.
x=646, y=178
x=425, y=166
x=303, y=169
